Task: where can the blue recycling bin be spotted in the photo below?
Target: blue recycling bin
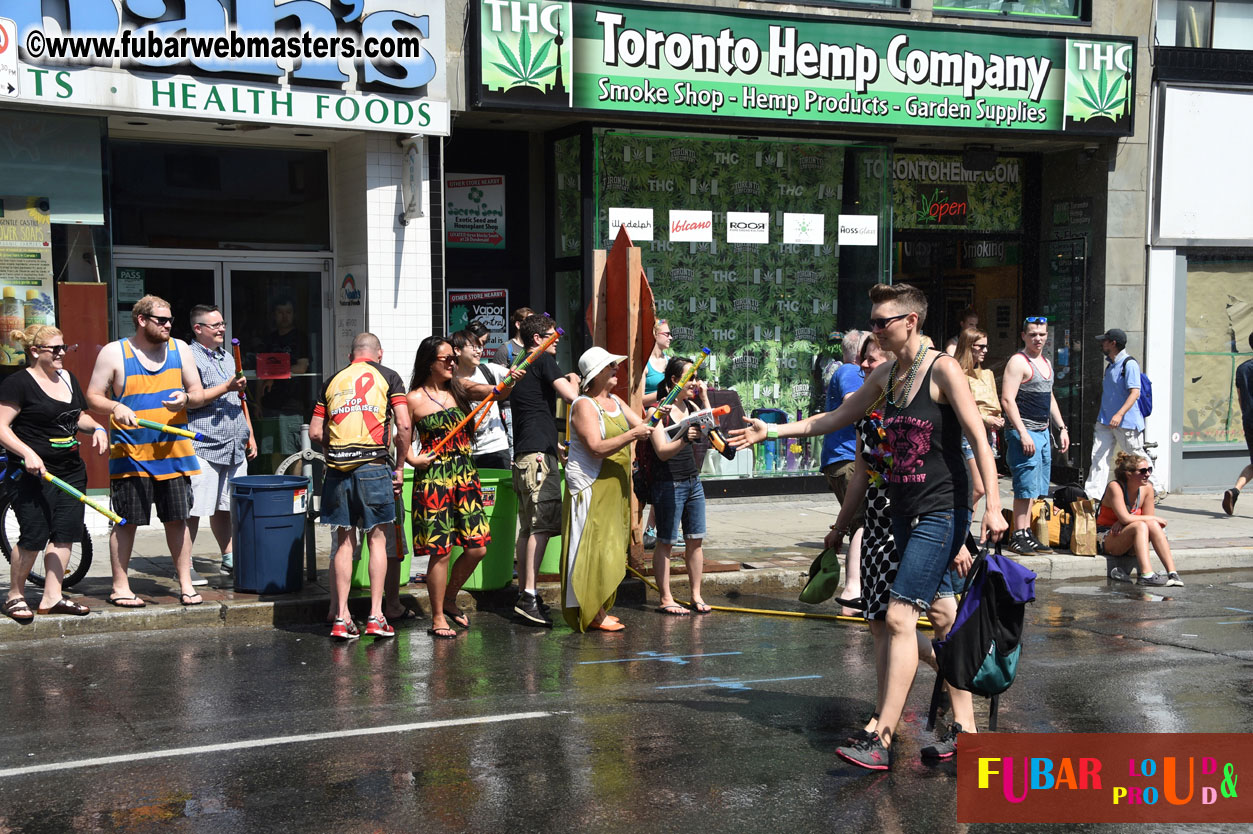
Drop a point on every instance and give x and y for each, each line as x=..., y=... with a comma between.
x=268, y=523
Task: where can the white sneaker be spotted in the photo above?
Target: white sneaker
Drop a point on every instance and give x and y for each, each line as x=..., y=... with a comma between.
x=197, y=579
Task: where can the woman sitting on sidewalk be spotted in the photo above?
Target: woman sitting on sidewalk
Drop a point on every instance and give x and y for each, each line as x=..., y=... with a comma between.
x=1126, y=523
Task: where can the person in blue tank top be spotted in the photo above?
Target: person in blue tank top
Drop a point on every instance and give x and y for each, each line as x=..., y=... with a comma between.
x=925, y=405
x=153, y=377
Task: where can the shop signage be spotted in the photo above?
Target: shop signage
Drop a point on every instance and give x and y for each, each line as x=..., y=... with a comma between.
x=942, y=206
x=638, y=223
x=25, y=270
x=130, y=285
x=475, y=211
x=338, y=67
x=748, y=227
x=488, y=307
x=859, y=230
x=691, y=226
x=687, y=61
x=807, y=229
x=933, y=190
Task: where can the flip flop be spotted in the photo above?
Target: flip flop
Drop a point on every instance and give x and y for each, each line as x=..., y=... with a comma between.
x=407, y=614
x=604, y=625
x=182, y=599
x=122, y=602
x=459, y=617
x=700, y=608
x=436, y=633
x=674, y=610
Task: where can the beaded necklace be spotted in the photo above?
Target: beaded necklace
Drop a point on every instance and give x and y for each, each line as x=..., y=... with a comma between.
x=908, y=385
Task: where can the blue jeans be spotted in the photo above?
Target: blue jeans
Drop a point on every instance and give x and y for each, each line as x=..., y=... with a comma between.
x=675, y=501
x=361, y=498
x=1031, y=474
x=927, y=548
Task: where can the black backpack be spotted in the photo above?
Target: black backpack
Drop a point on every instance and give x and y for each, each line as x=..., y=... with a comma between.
x=981, y=652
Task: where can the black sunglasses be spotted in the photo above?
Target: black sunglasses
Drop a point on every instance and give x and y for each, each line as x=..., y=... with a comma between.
x=883, y=322
x=161, y=321
x=1145, y=470
x=56, y=349
x=1036, y=320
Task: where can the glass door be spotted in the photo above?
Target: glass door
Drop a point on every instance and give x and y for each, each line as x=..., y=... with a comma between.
x=182, y=283
x=276, y=312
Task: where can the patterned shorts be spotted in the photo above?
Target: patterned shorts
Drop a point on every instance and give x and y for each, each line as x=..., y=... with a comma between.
x=132, y=499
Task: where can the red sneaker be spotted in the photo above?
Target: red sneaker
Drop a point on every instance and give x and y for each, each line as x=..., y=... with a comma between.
x=378, y=627
x=344, y=630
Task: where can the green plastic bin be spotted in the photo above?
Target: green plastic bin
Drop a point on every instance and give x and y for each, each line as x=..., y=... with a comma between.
x=551, y=563
x=500, y=504
x=361, y=566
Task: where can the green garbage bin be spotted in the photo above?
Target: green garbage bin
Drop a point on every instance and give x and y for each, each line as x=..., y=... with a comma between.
x=500, y=504
x=361, y=566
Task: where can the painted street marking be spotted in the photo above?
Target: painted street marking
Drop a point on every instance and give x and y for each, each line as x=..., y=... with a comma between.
x=1241, y=610
x=248, y=744
x=734, y=684
x=663, y=657
x=1237, y=622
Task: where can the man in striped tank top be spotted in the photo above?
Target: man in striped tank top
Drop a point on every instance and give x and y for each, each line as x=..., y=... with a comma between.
x=1028, y=403
x=148, y=376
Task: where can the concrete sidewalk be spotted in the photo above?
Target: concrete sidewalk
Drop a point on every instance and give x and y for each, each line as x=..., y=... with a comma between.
x=758, y=545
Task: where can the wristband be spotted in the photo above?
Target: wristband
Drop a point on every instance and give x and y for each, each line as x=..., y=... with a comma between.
x=772, y=431
x=99, y=428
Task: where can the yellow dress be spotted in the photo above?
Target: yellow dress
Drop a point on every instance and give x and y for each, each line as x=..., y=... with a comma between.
x=596, y=523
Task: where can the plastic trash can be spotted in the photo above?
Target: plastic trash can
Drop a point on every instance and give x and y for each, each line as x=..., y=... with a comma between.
x=500, y=504
x=268, y=523
x=361, y=566
x=769, y=455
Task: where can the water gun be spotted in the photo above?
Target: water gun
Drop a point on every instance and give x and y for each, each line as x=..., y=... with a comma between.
x=706, y=421
x=655, y=417
x=174, y=430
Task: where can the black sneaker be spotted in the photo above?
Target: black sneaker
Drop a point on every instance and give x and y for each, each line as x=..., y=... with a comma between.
x=1229, y=500
x=1020, y=542
x=870, y=754
x=1040, y=547
x=528, y=608
x=945, y=748
x=1154, y=580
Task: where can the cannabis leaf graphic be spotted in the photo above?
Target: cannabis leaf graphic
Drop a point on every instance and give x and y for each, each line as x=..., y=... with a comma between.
x=924, y=214
x=524, y=67
x=1104, y=100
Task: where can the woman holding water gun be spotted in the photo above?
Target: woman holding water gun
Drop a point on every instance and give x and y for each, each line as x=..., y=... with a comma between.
x=42, y=409
x=677, y=494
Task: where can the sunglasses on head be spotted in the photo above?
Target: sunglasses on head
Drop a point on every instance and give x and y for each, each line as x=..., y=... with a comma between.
x=1036, y=320
x=882, y=322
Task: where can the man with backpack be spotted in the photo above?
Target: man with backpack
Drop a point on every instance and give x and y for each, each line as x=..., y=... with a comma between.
x=1120, y=422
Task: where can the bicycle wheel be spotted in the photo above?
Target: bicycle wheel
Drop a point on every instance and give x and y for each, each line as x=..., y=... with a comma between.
x=80, y=552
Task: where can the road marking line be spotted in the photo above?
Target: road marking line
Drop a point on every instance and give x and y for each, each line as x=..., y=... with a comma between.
x=736, y=684
x=266, y=742
x=1241, y=610
x=659, y=656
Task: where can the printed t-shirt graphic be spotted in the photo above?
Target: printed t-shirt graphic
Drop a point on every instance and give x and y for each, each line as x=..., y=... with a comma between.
x=148, y=453
x=357, y=406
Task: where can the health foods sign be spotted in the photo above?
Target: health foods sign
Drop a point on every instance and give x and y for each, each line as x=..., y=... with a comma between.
x=696, y=62
x=313, y=63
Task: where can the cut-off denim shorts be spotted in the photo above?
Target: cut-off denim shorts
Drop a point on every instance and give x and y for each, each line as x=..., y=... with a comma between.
x=927, y=545
x=678, y=502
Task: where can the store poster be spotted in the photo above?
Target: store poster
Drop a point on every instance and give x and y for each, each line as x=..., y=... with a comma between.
x=488, y=307
x=25, y=270
x=475, y=211
x=764, y=308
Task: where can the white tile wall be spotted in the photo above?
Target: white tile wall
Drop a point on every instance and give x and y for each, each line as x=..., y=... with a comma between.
x=397, y=258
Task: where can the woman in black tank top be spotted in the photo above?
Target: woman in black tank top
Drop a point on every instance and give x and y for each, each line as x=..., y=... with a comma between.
x=927, y=405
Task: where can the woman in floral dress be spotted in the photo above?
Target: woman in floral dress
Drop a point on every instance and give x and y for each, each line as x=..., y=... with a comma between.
x=447, y=497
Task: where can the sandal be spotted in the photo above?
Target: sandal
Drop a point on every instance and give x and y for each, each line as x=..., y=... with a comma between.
x=17, y=609
x=125, y=602
x=457, y=616
x=700, y=607
x=65, y=606
x=405, y=614
x=443, y=633
x=605, y=625
x=673, y=610
x=183, y=599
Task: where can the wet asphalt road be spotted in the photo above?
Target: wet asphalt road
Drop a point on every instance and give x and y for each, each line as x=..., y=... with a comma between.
x=720, y=723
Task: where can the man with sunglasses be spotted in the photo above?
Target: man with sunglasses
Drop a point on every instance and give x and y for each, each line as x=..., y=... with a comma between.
x=1028, y=404
x=153, y=377
x=229, y=442
x=1119, y=423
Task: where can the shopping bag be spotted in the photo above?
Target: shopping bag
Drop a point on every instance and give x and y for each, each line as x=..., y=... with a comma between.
x=1041, y=519
x=1083, y=536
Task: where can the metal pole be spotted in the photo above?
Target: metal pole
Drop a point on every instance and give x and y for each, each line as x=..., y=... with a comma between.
x=306, y=470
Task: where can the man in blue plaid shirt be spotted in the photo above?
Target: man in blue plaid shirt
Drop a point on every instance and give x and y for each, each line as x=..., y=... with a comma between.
x=229, y=443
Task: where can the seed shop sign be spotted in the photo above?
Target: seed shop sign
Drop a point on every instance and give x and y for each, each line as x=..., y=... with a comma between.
x=700, y=62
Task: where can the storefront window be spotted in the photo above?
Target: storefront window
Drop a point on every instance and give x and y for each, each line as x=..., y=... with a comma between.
x=205, y=197
x=765, y=309
x=1037, y=8
x=1221, y=24
x=568, y=227
x=1217, y=331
